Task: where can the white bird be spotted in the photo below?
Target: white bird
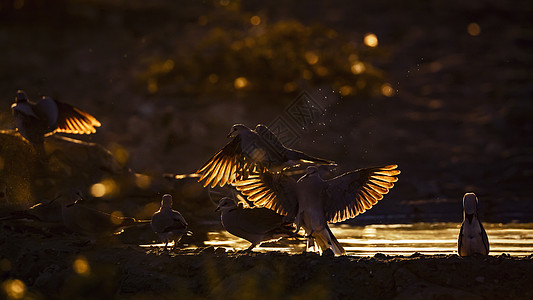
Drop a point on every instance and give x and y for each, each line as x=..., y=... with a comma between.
x=36, y=120
x=89, y=221
x=256, y=225
x=168, y=224
x=251, y=151
x=313, y=202
x=472, y=236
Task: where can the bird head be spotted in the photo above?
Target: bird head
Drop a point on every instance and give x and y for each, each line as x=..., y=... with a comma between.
x=470, y=205
x=166, y=201
x=226, y=203
x=236, y=129
x=21, y=96
x=70, y=197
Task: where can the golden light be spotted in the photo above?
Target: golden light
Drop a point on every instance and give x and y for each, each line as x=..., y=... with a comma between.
x=168, y=65
x=240, y=83
x=152, y=86
x=103, y=188
x=290, y=87
x=121, y=154
x=387, y=90
x=371, y=40
x=224, y=2
x=116, y=217
x=322, y=71
x=98, y=190
x=213, y=78
x=345, y=90
x=142, y=181
x=81, y=266
x=358, y=67
x=255, y=20
x=473, y=29
x=14, y=288
x=311, y=57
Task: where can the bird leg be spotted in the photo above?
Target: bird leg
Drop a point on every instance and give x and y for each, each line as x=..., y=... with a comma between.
x=310, y=239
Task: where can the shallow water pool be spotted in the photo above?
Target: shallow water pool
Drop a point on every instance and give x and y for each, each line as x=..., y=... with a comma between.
x=398, y=239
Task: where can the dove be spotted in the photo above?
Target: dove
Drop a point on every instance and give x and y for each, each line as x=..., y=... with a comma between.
x=313, y=202
x=256, y=225
x=89, y=221
x=46, y=211
x=472, y=236
x=248, y=151
x=35, y=120
x=167, y=223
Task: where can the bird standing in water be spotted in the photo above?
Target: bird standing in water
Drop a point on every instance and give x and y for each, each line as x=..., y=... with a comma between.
x=472, y=236
x=168, y=224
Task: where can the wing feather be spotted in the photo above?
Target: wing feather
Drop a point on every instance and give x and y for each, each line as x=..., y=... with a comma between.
x=355, y=192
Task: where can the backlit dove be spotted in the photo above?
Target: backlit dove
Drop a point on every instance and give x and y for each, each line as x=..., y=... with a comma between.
x=472, y=236
x=89, y=221
x=248, y=151
x=313, y=202
x=255, y=225
x=167, y=223
x=35, y=120
x=47, y=211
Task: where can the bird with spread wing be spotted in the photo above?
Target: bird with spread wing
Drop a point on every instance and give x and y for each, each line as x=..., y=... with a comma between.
x=313, y=202
x=36, y=120
x=251, y=151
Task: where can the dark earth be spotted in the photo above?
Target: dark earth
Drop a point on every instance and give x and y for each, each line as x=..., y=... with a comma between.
x=446, y=94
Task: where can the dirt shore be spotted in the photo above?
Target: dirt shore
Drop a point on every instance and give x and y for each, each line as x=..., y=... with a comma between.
x=54, y=264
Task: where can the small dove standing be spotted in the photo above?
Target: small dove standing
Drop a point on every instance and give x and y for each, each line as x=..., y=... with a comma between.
x=89, y=221
x=256, y=225
x=168, y=224
x=472, y=237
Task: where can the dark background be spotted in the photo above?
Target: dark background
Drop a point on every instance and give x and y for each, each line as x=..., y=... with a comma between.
x=459, y=118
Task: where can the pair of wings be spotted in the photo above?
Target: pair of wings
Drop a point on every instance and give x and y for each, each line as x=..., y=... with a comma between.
x=345, y=196
x=235, y=161
x=60, y=117
x=257, y=151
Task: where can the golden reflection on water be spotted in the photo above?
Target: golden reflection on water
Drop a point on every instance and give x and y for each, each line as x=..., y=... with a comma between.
x=398, y=239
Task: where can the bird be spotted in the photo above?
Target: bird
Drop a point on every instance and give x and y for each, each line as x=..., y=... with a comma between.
x=168, y=224
x=256, y=225
x=91, y=222
x=313, y=202
x=251, y=151
x=473, y=238
x=45, y=211
x=36, y=120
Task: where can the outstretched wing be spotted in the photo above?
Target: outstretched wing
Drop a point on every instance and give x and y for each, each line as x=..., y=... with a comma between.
x=71, y=119
x=355, y=192
x=275, y=191
x=227, y=165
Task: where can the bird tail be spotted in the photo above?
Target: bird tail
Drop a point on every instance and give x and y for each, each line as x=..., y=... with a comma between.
x=326, y=239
